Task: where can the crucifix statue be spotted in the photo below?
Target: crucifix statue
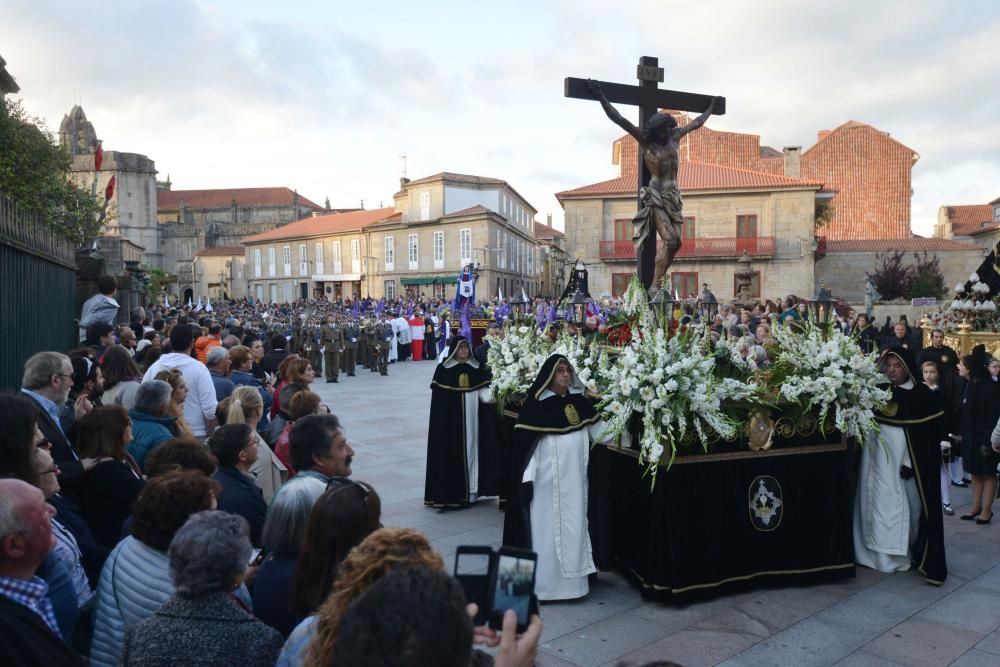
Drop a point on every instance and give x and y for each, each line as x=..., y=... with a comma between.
x=660, y=206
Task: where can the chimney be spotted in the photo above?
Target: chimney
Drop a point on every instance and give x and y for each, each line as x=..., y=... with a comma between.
x=821, y=135
x=403, y=181
x=548, y=219
x=793, y=160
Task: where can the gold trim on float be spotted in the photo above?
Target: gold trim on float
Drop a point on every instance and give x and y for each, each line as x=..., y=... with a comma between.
x=744, y=577
x=735, y=456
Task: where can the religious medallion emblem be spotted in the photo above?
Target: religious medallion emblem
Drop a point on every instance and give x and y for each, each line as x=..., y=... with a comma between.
x=891, y=408
x=572, y=416
x=463, y=380
x=761, y=432
x=765, y=503
x=944, y=358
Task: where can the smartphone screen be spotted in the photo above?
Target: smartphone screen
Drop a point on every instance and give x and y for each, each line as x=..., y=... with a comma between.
x=515, y=582
x=254, y=555
x=472, y=570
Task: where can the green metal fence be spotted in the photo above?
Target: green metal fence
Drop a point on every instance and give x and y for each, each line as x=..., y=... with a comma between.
x=37, y=292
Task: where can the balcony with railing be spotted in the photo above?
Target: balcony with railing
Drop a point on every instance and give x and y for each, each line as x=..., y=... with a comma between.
x=702, y=248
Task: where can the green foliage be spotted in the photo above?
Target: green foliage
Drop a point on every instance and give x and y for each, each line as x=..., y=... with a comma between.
x=927, y=278
x=34, y=174
x=893, y=279
x=158, y=281
x=824, y=212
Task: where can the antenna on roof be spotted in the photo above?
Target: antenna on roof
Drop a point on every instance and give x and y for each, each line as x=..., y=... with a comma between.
x=403, y=166
x=362, y=204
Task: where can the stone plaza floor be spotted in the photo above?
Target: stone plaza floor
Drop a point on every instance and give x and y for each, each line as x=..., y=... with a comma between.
x=873, y=619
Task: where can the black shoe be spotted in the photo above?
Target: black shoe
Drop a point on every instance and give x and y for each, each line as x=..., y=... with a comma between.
x=333, y=380
x=983, y=522
x=328, y=381
x=971, y=516
x=350, y=375
x=963, y=484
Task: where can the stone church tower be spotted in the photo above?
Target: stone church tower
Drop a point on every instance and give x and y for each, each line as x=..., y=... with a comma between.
x=132, y=210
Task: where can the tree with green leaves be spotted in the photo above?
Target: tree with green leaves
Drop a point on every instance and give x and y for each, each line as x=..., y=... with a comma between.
x=927, y=278
x=34, y=175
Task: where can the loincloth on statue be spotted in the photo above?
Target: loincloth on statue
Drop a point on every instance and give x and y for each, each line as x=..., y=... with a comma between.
x=644, y=221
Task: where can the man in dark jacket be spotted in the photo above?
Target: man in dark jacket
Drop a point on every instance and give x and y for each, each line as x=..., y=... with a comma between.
x=29, y=633
x=218, y=365
x=235, y=446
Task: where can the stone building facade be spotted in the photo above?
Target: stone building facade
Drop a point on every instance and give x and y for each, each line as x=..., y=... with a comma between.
x=323, y=256
x=219, y=273
x=976, y=223
x=445, y=222
x=193, y=220
x=728, y=212
x=132, y=208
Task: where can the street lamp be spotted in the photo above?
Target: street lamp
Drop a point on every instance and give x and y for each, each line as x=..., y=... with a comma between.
x=821, y=306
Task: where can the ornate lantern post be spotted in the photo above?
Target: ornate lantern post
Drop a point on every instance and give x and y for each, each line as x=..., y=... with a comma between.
x=709, y=305
x=517, y=305
x=578, y=301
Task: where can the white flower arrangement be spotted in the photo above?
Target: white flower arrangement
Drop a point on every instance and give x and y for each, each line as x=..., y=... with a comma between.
x=671, y=383
x=831, y=373
x=959, y=288
x=515, y=360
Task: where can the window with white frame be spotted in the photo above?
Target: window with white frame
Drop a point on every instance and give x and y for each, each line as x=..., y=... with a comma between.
x=438, y=250
x=503, y=249
x=286, y=258
x=303, y=260
x=259, y=291
x=390, y=290
x=412, y=252
x=271, y=262
x=439, y=290
x=338, y=265
x=289, y=293
x=320, y=264
x=425, y=206
x=273, y=289
x=355, y=256
x=256, y=262
x=465, y=245
x=390, y=252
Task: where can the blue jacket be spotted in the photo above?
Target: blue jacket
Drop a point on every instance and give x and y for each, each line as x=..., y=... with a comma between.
x=223, y=385
x=147, y=432
x=134, y=584
x=241, y=496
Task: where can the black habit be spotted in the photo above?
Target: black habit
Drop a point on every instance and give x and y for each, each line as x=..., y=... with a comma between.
x=447, y=480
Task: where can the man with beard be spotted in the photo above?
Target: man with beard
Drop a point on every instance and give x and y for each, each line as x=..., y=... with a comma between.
x=897, y=509
x=554, y=431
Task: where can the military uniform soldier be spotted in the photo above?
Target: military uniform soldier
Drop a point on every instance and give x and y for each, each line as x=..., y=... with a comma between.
x=332, y=338
x=311, y=346
x=295, y=342
x=352, y=334
x=383, y=340
x=368, y=344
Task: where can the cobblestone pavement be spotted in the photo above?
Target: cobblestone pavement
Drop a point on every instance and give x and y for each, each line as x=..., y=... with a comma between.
x=874, y=619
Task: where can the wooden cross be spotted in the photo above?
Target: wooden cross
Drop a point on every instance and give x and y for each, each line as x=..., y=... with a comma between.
x=650, y=99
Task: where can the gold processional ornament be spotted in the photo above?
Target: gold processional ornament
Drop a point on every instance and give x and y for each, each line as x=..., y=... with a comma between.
x=572, y=416
x=463, y=380
x=761, y=433
x=891, y=408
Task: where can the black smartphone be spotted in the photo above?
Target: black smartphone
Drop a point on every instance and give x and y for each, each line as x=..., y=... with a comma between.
x=473, y=567
x=513, y=586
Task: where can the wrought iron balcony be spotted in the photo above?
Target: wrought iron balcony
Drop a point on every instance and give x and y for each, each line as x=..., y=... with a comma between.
x=702, y=248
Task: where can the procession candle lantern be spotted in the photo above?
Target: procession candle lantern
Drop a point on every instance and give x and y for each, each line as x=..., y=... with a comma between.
x=663, y=305
x=578, y=302
x=822, y=304
x=710, y=305
x=517, y=305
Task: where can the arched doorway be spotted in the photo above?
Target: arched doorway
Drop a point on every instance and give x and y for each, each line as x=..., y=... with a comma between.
x=188, y=296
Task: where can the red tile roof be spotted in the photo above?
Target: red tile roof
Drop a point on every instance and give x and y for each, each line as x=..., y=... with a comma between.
x=912, y=244
x=323, y=224
x=220, y=251
x=967, y=220
x=460, y=178
x=170, y=200
x=987, y=227
x=544, y=232
x=697, y=176
x=872, y=173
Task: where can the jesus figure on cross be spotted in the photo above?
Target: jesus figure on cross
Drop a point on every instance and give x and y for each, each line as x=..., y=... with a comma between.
x=661, y=200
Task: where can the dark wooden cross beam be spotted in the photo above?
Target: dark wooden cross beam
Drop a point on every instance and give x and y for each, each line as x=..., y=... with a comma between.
x=650, y=99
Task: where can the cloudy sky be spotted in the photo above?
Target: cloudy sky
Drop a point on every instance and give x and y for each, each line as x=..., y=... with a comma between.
x=325, y=96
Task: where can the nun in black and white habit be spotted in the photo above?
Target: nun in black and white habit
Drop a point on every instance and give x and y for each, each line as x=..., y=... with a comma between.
x=553, y=435
x=454, y=439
